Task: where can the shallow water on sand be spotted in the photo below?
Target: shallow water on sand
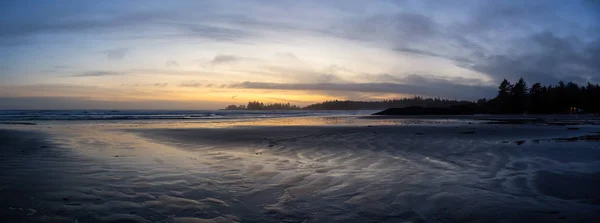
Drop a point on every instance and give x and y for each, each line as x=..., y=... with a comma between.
x=309, y=169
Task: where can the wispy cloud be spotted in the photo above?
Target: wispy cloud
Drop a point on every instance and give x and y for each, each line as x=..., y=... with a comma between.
x=216, y=32
x=222, y=59
x=97, y=74
x=160, y=85
x=287, y=56
x=116, y=54
x=192, y=84
x=171, y=63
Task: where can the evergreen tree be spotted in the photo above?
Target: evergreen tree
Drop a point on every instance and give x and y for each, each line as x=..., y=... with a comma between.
x=519, y=96
x=502, y=103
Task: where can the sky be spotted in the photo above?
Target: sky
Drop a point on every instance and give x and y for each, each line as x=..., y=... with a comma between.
x=208, y=54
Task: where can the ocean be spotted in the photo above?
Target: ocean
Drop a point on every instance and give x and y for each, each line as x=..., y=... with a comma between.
x=41, y=115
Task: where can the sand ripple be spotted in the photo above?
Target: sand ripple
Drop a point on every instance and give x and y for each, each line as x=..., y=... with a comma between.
x=302, y=174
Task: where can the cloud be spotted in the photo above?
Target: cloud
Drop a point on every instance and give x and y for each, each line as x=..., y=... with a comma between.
x=337, y=69
x=171, y=63
x=425, y=53
x=404, y=26
x=54, y=23
x=500, y=39
x=287, y=56
x=160, y=85
x=305, y=75
x=412, y=84
x=545, y=58
x=79, y=18
x=540, y=40
x=222, y=59
x=97, y=74
x=145, y=72
x=192, y=84
x=216, y=33
x=116, y=54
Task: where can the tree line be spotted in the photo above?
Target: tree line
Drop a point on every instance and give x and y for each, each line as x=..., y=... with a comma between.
x=353, y=105
x=562, y=98
x=384, y=104
x=255, y=105
x=516, y=98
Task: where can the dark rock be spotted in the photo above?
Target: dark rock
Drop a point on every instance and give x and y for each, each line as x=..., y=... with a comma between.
x=520, y=142
x=419, y=133
x=469, y=132
x=573, y=128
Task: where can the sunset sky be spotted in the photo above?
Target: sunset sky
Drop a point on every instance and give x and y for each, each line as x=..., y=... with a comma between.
x=207, y=54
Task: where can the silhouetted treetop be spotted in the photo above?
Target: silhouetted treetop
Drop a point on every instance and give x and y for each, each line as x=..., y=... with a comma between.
x=560, y=99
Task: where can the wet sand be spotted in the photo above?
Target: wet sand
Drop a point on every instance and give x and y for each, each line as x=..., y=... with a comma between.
x=300, y=170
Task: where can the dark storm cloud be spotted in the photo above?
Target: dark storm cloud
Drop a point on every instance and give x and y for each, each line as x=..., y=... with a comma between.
x=538, y=40
x=546, y=58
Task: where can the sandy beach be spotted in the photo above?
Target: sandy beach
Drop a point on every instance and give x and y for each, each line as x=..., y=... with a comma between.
x=300, y=169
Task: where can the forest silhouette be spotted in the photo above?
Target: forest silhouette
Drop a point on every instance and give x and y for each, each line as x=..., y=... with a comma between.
x=516, y=98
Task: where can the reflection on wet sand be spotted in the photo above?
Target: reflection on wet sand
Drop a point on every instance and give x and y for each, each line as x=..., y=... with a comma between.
x=311, y=169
